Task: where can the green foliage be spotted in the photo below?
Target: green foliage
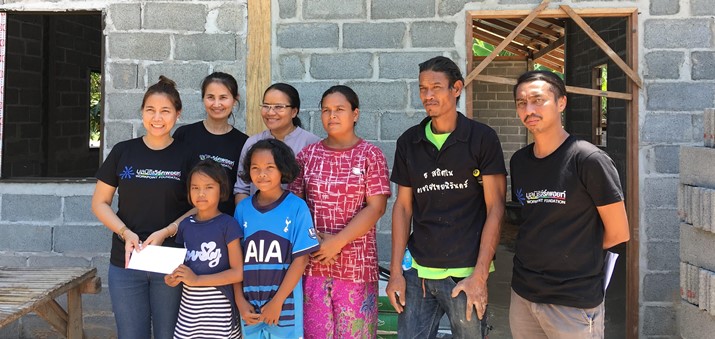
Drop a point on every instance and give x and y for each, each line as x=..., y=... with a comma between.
x=95, y=107
x=481, y=48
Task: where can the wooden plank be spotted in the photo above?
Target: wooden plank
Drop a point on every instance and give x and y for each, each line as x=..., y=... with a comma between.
x=258, y=63
x=74, y=314
x=569, y=89
x=518, y=41
x=468, y=91
x=525, y=34
x=554, y=13
x=552, y=46
x=603, y=45
x=53, y=313
x=92, y=286
x=505, y=42
x=493, y=41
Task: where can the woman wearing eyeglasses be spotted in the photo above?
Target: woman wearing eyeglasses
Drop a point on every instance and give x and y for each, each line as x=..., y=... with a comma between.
x=279, y=110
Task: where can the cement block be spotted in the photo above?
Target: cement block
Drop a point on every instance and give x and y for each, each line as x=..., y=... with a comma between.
x=237, y=69
x=664, y=64
x=327, y=9
x=310, y=95
x=114, y=132
x=125, y=17
x=230, y=17
x=401, y=65
x=692, y=322
x=139, y=46
x=702, y=7
x=668, y=128
x=697, y=247
x=452, y=7
x=367, y=127
x=123, y=76
x=341, y=66
x=374, y=35
x=415, y=101
x=50, y=260
x=100, y=326
x=101, y=262
x=78, y=209
x=175, y=16
x=703, y=65
x=286, y=8
x=665, y=159
x=664, y=7
x=518, y=2
x=678, y=33
x=662, y=224
x=659, y=320
x=291, y=67
x=97, y=303
x=84, y=239
x=662, y=256
x=393, y=124
x=187, y=76
x=26, y=207
x=11, y=330
x=381, y=95
x=12, y=260
x=696, y=164
x=433, y=34
x=660, y=192
x=384, y=247
x=661, y=286
x=313, y=35
x=388, y=148
x=124, y=106
x=35, y=327
x=680, y=96
x=205, y=47
x=397, y=9
x=26, y=238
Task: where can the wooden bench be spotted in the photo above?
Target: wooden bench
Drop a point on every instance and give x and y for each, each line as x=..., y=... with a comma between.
x=31, y=289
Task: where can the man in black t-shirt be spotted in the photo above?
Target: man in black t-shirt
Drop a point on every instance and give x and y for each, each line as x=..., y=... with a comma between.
x=451, y=185
x=573, y=209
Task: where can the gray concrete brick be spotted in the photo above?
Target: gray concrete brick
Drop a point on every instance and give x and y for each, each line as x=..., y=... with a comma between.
x=115, y=132
x=35, y=327
x=230, y=17
x=13, y=260
x=327, y=9
x=660, y=192
x=678, y=96
x=696, y=164
x=286, y=8
x=123, y=76
x=659, y=320
x=11, y=330
x=73, y=238
x=693, y=322
x=374, y=35
x=314, y=35
x=702, y=7
x=310, y=94
x=452, y=7
x=50, y=260
x=26, y=238
x=668, y=128
x=664, y=159
x=237, y=69
x=388, y=148
x=367, y=124
x=175, y=16
x=518, y=2
x=661, y=287
x=664, y=7
x=662, y=224
x=101, y=263
x=664, y=64
x=205, y=47
x=78, y=209
x=433, y=34
x=415, y=101
x=125, y=17
x=26, y=207
x=662, y=256
x=394, y=9
x=142, y=46
x=100, y=326
x=291, y=67
x=341, y=66
x=699, y=249
x=703, y=65
x=123, y=106
x=401, y=65
x=185, y=75
x=680, y=33
x=393, y=124
x=381, y=95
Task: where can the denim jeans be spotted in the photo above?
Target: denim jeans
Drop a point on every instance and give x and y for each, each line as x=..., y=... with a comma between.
x=142, y=299
x=422, y=314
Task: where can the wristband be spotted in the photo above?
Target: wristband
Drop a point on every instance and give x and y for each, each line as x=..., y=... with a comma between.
x=121, y=231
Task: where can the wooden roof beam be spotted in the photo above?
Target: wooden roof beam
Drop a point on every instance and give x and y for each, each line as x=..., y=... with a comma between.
x=569, y=89
x=552, y=46
x=512, y=48
x=525, y=34
x=548, y=33
x=523, y=43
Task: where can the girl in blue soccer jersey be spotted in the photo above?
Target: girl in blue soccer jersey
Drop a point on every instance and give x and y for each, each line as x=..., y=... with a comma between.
x=213, y=259
x=278, y=237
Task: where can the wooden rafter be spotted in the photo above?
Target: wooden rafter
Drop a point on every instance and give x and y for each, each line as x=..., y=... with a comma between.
x=548, y=49
x=556, y=13
x=518, y=42
x=569, y=89
x=549, y=32
x=536, y=38
x=511, y=47
x=603, y=45
x=505, y=42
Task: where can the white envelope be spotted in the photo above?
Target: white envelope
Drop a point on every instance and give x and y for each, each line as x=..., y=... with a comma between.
x=157, y=259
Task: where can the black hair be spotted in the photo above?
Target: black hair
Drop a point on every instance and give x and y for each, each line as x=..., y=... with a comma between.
x=556, y=85
x=213, y=170
x=282, y=156
x=225, y=79
x=347, y=92
x=444, y=65
x=166, y=87
x=293, y=98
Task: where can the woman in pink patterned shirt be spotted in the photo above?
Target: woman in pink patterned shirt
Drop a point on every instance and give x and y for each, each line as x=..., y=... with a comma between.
x=344, y=180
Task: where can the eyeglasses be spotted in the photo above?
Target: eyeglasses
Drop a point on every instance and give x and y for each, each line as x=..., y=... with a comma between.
x=276, y=108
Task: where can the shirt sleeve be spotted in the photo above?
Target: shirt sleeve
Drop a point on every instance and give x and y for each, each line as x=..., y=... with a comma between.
x=400, y=174
x=241, y=186
x=377, y=177
x=491, y=157
x=107, y=173
x=180, y=133
x=233, y=230
x=305, y=237
x=599, y=175
x=297, y=187
x=180, y=232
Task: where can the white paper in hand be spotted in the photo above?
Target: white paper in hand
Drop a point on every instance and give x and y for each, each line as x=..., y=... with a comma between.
x=608, y=265
x=157, y=259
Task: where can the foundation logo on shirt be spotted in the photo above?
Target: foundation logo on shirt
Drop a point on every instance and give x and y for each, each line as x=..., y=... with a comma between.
x=222, y=161
x=541, y=196
x=127, y=173
x=152, y=174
